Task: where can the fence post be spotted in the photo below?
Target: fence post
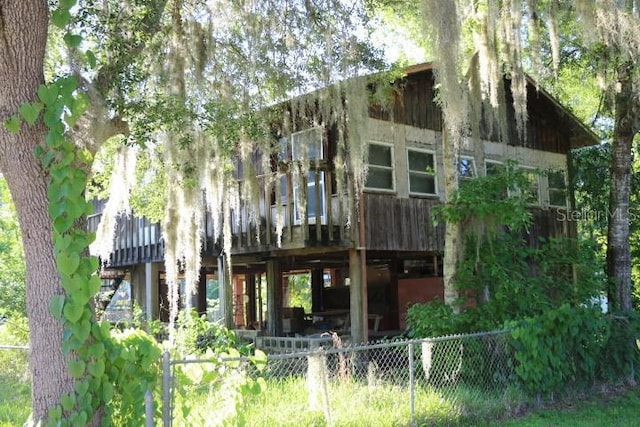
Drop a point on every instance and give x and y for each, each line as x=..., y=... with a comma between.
x=166, y=389
x=412, y=394
x=148, y=408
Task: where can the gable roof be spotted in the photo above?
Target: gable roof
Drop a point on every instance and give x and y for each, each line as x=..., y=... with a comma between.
x=579, y=134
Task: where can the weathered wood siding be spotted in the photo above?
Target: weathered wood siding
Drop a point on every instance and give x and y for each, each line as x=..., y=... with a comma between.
x=413, y=104
x=395, y=224
x=136, y=241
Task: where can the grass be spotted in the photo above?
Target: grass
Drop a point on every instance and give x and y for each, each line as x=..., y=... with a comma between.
x=355, y=403
x=15, y=390
x=611, y=410
x=15, y=402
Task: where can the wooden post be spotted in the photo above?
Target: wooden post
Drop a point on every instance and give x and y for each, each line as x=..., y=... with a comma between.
x=274, y=298
x=225, y=288
x=251, y=294
x=317, y=284
x=356, y=285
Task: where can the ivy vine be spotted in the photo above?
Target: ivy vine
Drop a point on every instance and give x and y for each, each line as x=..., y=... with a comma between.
x=104, y=365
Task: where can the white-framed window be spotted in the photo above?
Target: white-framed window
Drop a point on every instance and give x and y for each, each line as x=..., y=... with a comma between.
x=557, y=186
x=313, y=211
x=492, y=167
x=307, y=144
x=302, y=145
x=532, y=192
x=422, y=172
x=380, y=174
x=466, y=167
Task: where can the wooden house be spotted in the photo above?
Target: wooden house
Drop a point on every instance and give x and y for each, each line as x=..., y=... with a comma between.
x=365, y=265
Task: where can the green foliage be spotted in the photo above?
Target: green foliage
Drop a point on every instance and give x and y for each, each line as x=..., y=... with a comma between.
x=196, y=335
x=12, y=268
x=485, y=205
x=559, y=347
x=218, y=386
x=621, y=355
x=299, y=289
x=433, y=319
x=14, y=330
x=132, y=367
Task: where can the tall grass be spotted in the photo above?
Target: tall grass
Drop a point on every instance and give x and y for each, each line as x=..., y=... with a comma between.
x=353, y=403
x=15, y=387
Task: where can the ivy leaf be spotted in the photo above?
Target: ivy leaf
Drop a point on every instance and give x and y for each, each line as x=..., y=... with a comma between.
x=73, y=311
x=31, y=111
x=91, y=58
x=68, y=402
x=61, y=17
x=107, y=392
x=48, y=94
x=72, y=40
x=68, y=263
x=96, y=350
x=55, y=306
x=13, y=124
x=77, y=368
x=96, y=368
x=94, y=285
x=82, y=387
x=81, y=330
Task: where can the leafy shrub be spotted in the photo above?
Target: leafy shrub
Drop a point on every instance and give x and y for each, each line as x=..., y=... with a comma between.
x=432, y=319
x=133, y=368
x=196, y=334
x=561, y=346
x=621, y=355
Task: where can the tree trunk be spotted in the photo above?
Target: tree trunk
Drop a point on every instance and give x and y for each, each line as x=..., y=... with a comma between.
x=453, y=234
x=23, y=35
x=618, y=249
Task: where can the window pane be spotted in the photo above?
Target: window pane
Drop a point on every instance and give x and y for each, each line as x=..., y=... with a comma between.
x=531, y=192
x=556, y=180
x=466, y=168
x=420, y=161
x=379, y=155
x=493, y=168
x=380, y=178
x=307, y=144
x=421, y=183
x=557, y=197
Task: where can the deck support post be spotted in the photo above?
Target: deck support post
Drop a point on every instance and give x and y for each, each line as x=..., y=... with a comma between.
x=151, y=290
x=317, y=284
x=274, y=298
x=225, y=289
x=356, y=285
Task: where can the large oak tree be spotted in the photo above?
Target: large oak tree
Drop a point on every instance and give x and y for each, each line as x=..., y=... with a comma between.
x=226, y=60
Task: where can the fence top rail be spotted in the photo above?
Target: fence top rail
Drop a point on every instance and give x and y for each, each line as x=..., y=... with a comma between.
x=345, y=348
x=14, y=347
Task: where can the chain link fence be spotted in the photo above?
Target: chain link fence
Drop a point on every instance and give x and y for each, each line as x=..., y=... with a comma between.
x=15, y=384
x=431, y=381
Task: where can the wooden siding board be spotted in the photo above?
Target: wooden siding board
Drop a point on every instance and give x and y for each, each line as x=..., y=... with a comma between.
x=394, y=224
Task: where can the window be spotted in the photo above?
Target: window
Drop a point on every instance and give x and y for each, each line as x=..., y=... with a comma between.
x=307, y=144
x=492, y=167
x=466, y=168
x=313, y=211
x=531, y=194
x=422, y=173
x=557, y=189
x=380, y=167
